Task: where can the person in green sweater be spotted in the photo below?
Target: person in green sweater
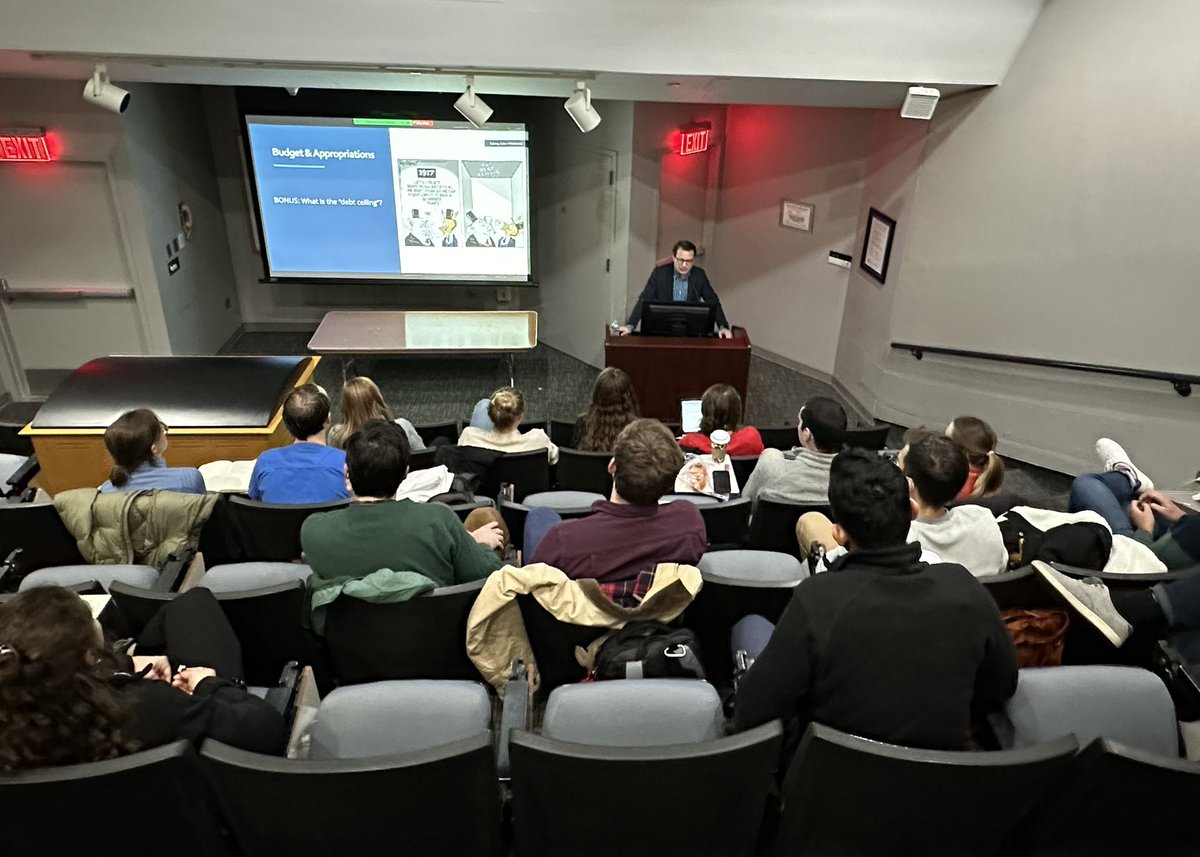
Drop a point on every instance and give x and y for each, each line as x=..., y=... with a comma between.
x=378, y=532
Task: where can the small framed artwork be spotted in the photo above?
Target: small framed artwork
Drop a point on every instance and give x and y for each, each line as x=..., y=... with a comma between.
x=796, y=215
x=877, y=246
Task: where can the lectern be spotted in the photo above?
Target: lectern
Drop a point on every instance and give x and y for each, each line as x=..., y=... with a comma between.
x=215, y=407
x=666, y=369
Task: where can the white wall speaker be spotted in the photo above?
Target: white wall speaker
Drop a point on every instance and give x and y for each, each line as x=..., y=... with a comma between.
x=920, y=102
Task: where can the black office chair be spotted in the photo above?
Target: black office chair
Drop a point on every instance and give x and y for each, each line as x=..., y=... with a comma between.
x=431, y=431
x=527, y=472
x=514, y=515
x=267, y=621
x=675, y=429
x=423, y=460
x=743, y=466
x=424, y=637
x=584, y=471
x=1115, y=800
x=779, y=437
x=848, y=795
x=738, y=583
x=727, y=524
x=717, y=791
x=526, y=425
x=71, y=809
x=873, y=437
x=553, y=645
x=444, y=800
x=562, y=432
x=267, y=532
x=773, y=525
x=37, y=534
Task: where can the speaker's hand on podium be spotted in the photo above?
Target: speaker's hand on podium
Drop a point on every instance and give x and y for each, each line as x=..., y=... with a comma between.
x=623, y=330
x=725, y=333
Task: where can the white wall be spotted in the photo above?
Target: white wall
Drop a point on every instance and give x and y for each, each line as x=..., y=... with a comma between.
x=775, y=281
x=934, y=40
x=167, y=138
x=1052, y=218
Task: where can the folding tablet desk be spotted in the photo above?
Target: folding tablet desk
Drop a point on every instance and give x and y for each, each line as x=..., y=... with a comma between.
x=215, y=407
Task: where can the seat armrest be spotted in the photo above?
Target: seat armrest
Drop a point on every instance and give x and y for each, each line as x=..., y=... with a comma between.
x=514, y=714
x=171, y=578
x=282, y=697
x=19, y=481
x=8, y=570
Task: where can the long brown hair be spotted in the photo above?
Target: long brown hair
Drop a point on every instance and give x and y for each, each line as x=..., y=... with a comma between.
x=720, y=408
x=56, y=708
x=361, y=403
x=614, y=406
x=130, y=441
x=978, y=441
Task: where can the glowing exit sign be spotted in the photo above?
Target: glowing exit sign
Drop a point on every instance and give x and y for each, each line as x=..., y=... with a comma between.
x=23, y=145
x=694, y=139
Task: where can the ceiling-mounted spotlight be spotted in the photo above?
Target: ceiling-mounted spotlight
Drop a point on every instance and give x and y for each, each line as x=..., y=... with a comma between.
x=579, y=107
x=292, y=90
x=470, y=105
x=102, y=93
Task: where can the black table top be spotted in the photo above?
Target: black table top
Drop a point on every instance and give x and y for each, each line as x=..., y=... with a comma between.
x=185, y=392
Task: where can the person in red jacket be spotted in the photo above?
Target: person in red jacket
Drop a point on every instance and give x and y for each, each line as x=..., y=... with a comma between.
x=721, y=408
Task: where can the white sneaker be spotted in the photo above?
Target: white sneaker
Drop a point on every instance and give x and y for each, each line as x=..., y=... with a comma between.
x=1090, y=599
x=1114, y=457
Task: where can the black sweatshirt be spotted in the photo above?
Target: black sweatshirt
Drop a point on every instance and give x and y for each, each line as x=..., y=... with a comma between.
x=884, y=646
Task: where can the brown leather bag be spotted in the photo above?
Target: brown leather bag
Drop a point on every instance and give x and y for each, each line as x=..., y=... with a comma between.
x=1038, y=635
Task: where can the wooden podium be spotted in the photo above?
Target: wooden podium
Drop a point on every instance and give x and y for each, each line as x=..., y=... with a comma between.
x=666, y=369
x=215, y=407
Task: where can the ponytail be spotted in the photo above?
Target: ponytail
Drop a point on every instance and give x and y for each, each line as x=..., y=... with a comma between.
x=118, y=476
x=992, y=477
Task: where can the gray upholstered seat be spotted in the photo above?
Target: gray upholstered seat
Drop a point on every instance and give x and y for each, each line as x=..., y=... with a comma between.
x=241, y=576
x=387, y=717
x=694, y=499
x=562, y=499
x=634, y=713
x=1124, y=704
x=751, y=567
x=143, y=576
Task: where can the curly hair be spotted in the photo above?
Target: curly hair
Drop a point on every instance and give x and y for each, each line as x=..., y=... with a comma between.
x=56, y=708
x=614, y=406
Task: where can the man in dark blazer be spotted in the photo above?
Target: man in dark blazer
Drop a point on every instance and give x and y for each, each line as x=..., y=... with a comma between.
x=679, y=281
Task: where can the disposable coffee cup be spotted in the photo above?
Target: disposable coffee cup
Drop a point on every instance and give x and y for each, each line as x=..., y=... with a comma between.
x=719, y=440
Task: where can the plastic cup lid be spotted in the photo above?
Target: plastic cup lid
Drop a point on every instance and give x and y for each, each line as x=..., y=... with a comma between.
x=720, y=436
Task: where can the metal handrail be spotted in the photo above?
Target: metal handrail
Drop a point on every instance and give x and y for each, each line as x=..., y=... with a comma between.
x=113, y=293
x=1181, y=383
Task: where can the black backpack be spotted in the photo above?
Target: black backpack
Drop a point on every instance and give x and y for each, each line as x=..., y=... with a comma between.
x=649, y=650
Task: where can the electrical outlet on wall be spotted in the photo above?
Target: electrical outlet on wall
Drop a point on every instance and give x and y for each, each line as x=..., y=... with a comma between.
x=504, y=295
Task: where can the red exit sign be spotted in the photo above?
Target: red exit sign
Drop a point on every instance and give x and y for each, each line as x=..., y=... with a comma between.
x=23, y=147
x=694, y=139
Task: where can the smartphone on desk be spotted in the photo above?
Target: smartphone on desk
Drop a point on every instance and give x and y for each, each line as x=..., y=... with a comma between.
x=720, y=482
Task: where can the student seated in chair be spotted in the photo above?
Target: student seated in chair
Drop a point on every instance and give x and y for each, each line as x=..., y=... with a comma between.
x=307, y=471
x=378, y=532
x=67, y=698
x=630, y=532
x=505, y=410
x=883, y=645
x=802, y=476
x=967, y=535
x=137, y=442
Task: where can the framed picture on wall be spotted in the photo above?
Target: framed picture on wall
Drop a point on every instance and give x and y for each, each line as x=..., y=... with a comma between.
x=796, y=215
x=877, y=246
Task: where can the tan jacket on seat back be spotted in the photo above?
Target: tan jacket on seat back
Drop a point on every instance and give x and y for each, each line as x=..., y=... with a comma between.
x=133, y=527
x=496, y=633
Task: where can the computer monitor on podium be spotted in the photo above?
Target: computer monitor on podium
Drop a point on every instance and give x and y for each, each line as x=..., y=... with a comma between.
x=671, y=318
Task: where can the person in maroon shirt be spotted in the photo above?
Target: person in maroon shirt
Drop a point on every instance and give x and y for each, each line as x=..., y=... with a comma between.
x=630, y=532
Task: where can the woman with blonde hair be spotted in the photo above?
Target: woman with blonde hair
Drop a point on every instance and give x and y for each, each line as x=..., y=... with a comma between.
x=614, y=406
x=985, y=474
x=506, y=408
x=362, y=402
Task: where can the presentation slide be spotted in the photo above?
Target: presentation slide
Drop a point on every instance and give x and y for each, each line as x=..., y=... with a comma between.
x=392, y=199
